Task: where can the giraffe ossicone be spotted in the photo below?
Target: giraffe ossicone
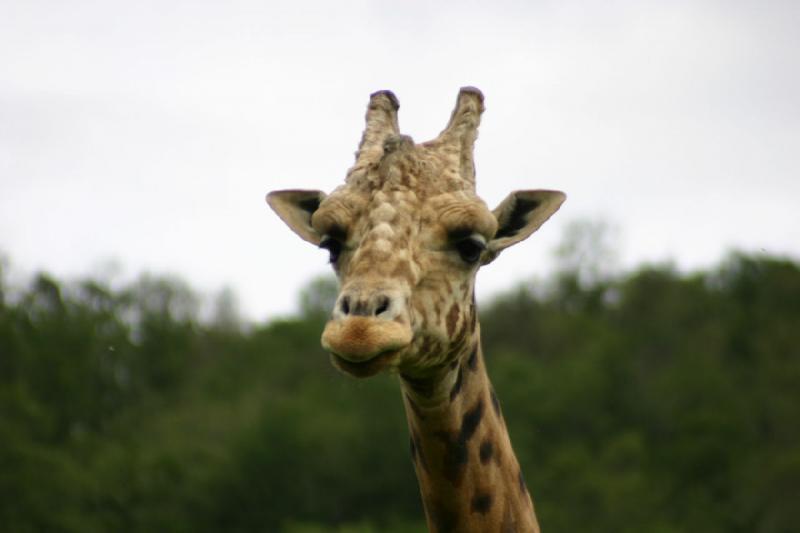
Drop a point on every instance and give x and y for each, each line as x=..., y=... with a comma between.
x=406, y=234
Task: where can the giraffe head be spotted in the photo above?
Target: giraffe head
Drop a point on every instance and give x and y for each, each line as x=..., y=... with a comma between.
x=406, y=235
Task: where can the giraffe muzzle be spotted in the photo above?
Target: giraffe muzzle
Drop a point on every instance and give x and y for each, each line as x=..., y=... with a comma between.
x=363, y=346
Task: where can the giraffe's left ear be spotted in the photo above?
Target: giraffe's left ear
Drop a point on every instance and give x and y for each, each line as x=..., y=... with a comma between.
x=519, y=215
x=295, y=208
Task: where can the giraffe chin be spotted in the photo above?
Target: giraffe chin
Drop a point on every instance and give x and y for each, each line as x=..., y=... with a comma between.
x=363, y=346
x=365, y=369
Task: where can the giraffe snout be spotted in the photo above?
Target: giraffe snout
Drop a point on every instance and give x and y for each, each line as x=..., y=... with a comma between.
x=366, y=330
x=379, y=305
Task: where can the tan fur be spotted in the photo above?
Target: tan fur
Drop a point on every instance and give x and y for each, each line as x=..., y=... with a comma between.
x=408, y=234
x=358, y=337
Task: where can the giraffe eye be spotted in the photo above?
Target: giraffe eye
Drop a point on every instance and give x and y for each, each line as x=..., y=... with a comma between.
x=333, y=246
x=470, y=249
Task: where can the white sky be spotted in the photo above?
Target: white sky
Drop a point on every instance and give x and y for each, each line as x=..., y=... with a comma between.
x=149, y=132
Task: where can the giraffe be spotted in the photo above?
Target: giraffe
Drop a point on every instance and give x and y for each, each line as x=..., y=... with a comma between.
x=406, y=234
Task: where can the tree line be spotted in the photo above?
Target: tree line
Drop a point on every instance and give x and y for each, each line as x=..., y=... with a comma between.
x=648, y=400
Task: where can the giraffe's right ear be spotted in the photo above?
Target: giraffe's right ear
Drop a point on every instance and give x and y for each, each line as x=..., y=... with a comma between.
x=295, y=208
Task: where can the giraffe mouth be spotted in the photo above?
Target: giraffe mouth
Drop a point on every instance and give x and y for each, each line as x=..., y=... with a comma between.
x=363, y=369
x=363, y=346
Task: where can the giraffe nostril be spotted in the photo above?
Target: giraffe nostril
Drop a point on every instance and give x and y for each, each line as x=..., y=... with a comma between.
x=345, y=305
x=383, y=305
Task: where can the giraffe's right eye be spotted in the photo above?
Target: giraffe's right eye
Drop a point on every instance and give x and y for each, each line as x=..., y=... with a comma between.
x=333, y=246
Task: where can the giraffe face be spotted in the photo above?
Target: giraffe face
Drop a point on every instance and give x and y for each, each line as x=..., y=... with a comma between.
x=406, y=235
x=406, y=258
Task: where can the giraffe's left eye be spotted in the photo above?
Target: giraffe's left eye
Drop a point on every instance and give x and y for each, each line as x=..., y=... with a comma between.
x=333, y=246
x=470, y=249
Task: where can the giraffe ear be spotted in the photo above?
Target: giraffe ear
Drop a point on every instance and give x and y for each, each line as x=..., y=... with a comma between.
x=295, y=208
x=519, y=215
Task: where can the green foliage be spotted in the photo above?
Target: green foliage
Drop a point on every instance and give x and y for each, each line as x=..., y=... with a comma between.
x=653, y=401
x=317, y=299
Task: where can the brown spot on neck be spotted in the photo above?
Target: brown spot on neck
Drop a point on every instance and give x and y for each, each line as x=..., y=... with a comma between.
x=422, y=386
x=481, y=503
x=486, y=450
x=469, y=477
x=455, y=451
x=472, y=361
x=457, y=385
x=452, y=319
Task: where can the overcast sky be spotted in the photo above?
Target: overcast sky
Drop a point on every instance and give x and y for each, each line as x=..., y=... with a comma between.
x=149, y=132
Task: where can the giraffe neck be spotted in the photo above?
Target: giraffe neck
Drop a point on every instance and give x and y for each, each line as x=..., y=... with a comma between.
x=469, y=477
